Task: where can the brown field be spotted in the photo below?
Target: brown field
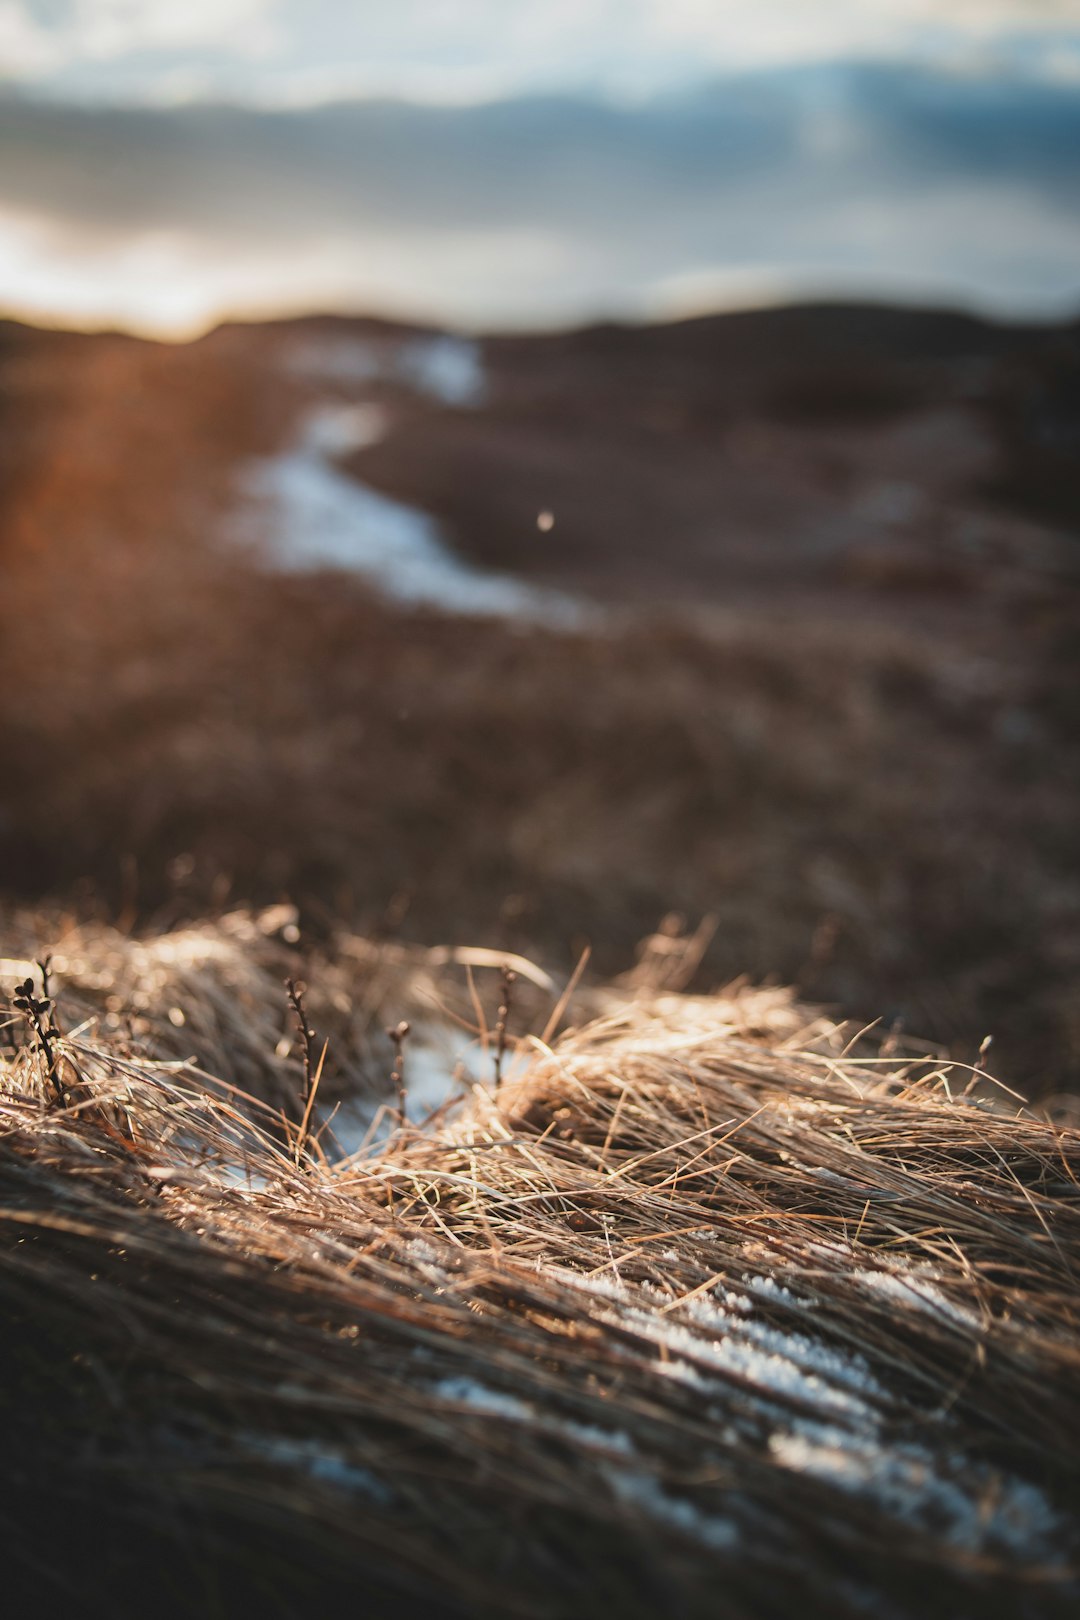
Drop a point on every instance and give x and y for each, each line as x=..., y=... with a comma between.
x=859, y=760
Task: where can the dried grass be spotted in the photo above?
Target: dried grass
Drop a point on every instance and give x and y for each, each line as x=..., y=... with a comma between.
x=708, y=1311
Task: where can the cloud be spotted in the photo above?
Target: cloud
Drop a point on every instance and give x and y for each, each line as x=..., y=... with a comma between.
x=549, y=208
x=287, y=50
x=43, y=41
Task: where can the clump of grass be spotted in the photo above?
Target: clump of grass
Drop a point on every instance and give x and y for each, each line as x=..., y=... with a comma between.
x=703, y=1310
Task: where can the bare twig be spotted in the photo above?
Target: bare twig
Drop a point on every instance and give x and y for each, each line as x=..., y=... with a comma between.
x=505, y=1006
x=397, y=1077
x=307, y=1034
x=312, y=1070
x=39, y=1014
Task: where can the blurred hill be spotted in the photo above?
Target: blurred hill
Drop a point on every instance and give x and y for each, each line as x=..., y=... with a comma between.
x=833, y=448
x=813, y=448
x=824, y=690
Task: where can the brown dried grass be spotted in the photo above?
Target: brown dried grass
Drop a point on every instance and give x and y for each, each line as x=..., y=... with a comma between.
x=710, y=1310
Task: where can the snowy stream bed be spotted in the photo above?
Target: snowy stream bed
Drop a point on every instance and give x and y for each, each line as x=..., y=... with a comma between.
x=308, y=513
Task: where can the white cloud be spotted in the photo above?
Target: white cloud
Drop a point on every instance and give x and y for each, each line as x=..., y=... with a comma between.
x=752, y=33
x=285, y=50
x=33, y=47
x=27, y=49
x=105, y=29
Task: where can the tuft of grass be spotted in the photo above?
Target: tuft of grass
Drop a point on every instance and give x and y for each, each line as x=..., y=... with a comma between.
x=708, y=1308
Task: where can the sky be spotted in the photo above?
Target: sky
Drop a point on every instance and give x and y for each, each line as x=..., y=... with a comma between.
x=507, y=163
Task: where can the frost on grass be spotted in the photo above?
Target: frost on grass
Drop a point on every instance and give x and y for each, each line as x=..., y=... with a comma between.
x=968, y=1504
x=826, y=1415
x=325, y=1465
x=480, y=1399
x=618, y=1462
x=644, y=1492
x=914, y=1290
x=485, y=1323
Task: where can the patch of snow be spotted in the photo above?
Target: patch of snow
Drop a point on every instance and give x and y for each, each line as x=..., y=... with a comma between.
x=324, y=1464
x=478, y=1397
x=765, y=1288
x=644, y=1492
x=489, y=1402
x=970, y=1504
x=633, y=1486
x=311, y=514
x=780, y=1366
x=420, y=1249
x=443, y=367
x=682, y=1373
x=446, y=368
x=915, y=1292
x=840, y=1437
x=605, y=1285
x=431, y=1079
x=340, y=430
x=587, y=1434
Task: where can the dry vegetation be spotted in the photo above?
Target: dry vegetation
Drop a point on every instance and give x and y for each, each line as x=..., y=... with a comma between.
x=705, y=1310
x=877, y=818
x=713, y=1306
x=873, y=790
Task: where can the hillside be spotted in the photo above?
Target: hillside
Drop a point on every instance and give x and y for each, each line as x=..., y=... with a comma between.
x=808, y=671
